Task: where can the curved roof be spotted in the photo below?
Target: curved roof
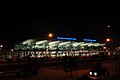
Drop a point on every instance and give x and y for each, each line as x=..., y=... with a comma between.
x=32, y=44
x=29, y=41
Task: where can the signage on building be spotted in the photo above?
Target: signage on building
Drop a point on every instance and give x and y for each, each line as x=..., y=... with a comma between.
x=64, y=38
x=89, y=40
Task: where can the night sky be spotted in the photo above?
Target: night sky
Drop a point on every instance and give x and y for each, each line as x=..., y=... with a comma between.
x=17, y=28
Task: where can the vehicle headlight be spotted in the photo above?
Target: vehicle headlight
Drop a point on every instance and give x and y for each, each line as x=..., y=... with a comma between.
x=95, y=73
x=90, y=73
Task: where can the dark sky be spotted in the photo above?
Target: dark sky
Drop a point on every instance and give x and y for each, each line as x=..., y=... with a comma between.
x=16, y=28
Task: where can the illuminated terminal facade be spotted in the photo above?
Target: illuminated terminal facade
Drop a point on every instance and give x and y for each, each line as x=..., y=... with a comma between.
x=59, y=47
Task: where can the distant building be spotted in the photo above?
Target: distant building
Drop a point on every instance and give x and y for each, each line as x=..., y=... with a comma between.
x=57, y=48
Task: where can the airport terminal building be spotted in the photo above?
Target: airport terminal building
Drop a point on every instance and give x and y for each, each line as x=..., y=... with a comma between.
x=58, y=48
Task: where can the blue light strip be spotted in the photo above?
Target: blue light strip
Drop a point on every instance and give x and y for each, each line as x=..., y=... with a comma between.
x=62, y=38
x=89, y=40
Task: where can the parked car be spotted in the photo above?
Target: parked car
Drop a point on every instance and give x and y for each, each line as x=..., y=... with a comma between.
x=98, y=72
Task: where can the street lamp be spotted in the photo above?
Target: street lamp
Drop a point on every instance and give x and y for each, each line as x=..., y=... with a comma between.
x=1, y=46
x=50, y=35
x=12, y=50
x=108, y=40
x=108, y=26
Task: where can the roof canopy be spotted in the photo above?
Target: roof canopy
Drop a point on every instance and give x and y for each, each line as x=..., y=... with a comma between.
x=31, y=44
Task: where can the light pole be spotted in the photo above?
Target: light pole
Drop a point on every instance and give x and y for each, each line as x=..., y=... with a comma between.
x=2, y=48
x=108, y=40
x=112, y=35
x=50, y=35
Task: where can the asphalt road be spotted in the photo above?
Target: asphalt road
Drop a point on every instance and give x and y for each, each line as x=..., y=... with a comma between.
x=57, y=72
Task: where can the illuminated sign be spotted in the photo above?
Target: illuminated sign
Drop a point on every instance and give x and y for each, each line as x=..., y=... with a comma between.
x=89, y=40
x=63, y=38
